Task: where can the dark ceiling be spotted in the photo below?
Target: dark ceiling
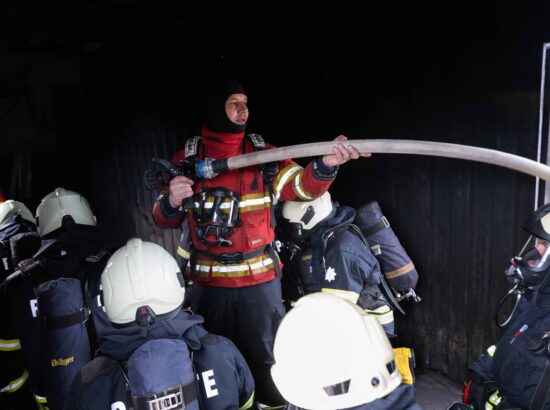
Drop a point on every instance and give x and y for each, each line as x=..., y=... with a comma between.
x=128, y=55
x=171, y=31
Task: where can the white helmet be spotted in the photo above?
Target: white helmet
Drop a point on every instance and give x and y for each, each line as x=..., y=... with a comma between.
x=141, y=274
x=10, y=208
x=59, y=204
x=329, y=354
x=308, y=213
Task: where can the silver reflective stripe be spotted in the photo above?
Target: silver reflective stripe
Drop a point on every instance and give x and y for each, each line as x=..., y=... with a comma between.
x=16, y=384
x=9, y=345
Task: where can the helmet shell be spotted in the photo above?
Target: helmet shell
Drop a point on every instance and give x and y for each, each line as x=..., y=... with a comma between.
x=329, y=354
x=10, y=208
x=308, y=213
x=60, y=204
x=141, y=274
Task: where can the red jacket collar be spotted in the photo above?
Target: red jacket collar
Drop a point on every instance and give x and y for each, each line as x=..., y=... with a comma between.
x=221, y=137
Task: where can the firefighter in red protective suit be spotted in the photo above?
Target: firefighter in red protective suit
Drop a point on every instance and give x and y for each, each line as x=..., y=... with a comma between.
x=232, y=263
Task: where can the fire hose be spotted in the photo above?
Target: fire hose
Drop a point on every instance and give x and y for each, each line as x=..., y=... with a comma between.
x=384, y=146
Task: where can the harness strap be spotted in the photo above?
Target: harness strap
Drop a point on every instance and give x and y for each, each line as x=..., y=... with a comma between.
x=377, y=226
x=383, y=284
x=172, y=398
x=275, y=257
x=81, y=316
x=235, y=257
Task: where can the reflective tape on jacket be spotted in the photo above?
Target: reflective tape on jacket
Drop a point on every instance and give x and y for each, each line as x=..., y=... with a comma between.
x=183, y=253
x=344, y=294
x=248, y=403
x=42, y=402
x=384, y=314
x=9, y=345
x=16, y=384
x=298, y=187
x=288, y=173
x=493, y=401
x=253, y=266
x=247, y=203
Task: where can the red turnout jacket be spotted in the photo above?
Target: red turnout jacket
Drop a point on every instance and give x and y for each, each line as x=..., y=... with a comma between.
x=292, y=182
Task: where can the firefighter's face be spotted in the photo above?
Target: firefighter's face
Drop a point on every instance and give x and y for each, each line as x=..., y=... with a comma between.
x=236, y=108
x=542, y=248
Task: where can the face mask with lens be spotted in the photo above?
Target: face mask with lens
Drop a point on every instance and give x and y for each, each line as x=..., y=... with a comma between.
x=526, y=271
x=216, y=215
x=532, y=264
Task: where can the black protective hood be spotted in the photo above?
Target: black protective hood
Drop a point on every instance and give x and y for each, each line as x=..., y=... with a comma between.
x=215, y=97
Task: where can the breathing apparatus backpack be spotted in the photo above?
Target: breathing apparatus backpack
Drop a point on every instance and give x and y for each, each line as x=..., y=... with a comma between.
x=69, y=317
x=395, y=263
x=159, y=375
x=66, y=346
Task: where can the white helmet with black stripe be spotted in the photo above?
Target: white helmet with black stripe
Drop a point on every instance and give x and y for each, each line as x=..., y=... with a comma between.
x=62, y=207
x=10, y=208
x=329, y=354
x=307, y=214
x=141, y=274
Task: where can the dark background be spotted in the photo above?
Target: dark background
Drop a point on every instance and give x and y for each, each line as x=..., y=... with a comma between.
x=90, y=91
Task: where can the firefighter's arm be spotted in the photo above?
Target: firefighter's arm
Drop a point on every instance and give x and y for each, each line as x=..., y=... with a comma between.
x=167, y=210
x=480, y=386
x=294, y=182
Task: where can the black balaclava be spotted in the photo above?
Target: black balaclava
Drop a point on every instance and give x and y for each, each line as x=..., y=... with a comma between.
x=216, y=96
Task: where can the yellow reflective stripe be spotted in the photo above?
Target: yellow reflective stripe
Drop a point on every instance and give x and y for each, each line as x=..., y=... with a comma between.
x=493, y=400
x=299, y=189
x=255, y=202
x=283, y=177
x=40, y=399
x=259, y=264
x=384, y=314
x=248, y=403
x=42, y=402
x=250, y=202
x=16, y=384
x=183, y=253
x=491, y=350
x=344, y=294
x=7, y=345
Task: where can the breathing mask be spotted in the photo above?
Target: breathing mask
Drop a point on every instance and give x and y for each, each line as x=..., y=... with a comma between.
x=216, y=215
x=532, y=264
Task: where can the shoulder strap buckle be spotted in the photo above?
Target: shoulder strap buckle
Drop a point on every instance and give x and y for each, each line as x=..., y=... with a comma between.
x=192, y=146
